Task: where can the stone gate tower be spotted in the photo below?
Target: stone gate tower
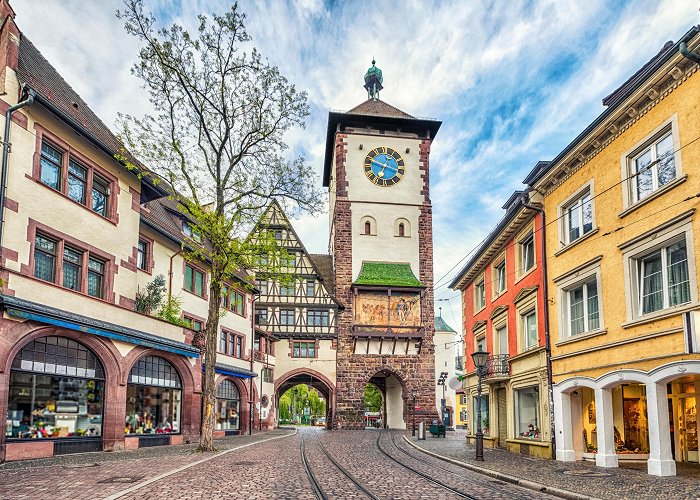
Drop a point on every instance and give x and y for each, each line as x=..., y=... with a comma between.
x=377, y=173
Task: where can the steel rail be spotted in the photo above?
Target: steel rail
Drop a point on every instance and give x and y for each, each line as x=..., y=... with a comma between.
x=312, y=479
x=345, y=472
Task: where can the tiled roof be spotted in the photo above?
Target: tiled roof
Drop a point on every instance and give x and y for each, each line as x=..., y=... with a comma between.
x=324, y=265
x=387, y=274
x=378, y=108
x=442, y=326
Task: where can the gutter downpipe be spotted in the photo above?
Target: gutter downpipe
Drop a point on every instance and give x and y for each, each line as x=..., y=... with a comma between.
x=251, y=399
x=547, y=340
x=27, y=100
x=689, y=54
x=170, y=274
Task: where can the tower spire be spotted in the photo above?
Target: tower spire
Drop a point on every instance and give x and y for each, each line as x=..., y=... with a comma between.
x=373, y=81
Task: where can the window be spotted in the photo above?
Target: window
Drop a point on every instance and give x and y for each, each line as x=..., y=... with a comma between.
x=578, y=217
x=72, y=268
x=501, y=340
x=194, y=280
x=527, y=413
x=232, y=344
x=527, y=252
x=485, y=419
x=287, y=290
x=500, y=277
x=368, y=227
x=45, y=258
x=223, y=343
x=225, y=298
x=664, y=279
x=290, y=261
x=310, y=288
x=51, y=376
x=583, y=308
x=239, y=347
x=195, y=324
x=262, y=286
x=100, y=195
x=267, y=375
x=286, y=316
x=316, y=317
x=228, y=406
x=191, y=232
x=529, y=320
x=480, y=343
x=653, y=167
x=262, y=316
x=304, y=349
x=69, y=268
x=153, y=397
x=77, y=182
x=479, y=295
x=402, y=229
x=238, y=302
x=142, y=255
x=51, y=161
x=278, y=235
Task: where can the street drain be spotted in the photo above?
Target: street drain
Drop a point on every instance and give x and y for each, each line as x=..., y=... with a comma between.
x=121, y=479
x=585, y=473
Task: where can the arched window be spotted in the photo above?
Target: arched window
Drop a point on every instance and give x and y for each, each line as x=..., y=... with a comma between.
x=153, y=397
x=369, y=225
x=228, y=406
x=50, y=376
x=402, y=228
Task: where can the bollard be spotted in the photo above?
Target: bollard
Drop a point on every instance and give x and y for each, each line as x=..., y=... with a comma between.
x=421, y=430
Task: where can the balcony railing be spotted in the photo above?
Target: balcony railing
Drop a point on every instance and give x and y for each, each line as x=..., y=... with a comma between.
x=498, y=367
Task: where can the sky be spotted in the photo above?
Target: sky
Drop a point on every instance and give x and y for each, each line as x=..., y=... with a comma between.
x=512, y=81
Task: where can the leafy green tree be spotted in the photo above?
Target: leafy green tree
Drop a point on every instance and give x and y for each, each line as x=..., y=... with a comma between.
x=218, y=139
x=149, y=300
x=373, y=398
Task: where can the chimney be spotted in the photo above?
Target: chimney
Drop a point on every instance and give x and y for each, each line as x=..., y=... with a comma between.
x=9, y=41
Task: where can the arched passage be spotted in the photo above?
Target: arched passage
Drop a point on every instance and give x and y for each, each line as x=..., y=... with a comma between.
x=312, y=379
x=392, y=387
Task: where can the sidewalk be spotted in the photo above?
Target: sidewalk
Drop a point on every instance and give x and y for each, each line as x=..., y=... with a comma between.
x=582, y=478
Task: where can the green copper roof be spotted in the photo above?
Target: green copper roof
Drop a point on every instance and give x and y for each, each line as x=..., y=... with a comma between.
x=442, y=326
x=386, y=274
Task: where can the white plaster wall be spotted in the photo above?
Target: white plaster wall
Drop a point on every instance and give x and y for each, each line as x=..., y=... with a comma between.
x=445, y=362
x=324, y=362
x=394, y=404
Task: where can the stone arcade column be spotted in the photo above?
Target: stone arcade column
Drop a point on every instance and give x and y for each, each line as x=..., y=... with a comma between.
x=660, y=461
x=563, y=426
x=606, y=456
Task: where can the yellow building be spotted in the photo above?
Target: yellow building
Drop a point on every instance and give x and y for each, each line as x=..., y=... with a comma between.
x=621, y=246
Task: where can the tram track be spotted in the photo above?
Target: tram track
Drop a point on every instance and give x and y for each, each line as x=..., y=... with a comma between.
x=315, y=484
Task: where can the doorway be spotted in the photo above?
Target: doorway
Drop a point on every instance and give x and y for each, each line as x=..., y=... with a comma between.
x=684, y=419
x=502, y=417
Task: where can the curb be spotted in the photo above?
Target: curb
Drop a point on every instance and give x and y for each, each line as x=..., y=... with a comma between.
x=531, y=485
x=163, y=475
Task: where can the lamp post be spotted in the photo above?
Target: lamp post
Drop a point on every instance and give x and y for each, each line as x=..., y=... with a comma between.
x=413, y=393
x=480, y=360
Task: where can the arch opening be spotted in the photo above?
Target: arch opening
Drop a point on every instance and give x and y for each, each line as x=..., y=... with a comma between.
x=392, y=388
x=312, y=388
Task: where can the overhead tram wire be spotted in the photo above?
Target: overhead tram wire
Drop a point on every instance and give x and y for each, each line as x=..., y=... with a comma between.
x=650, y=165
x=608, y=233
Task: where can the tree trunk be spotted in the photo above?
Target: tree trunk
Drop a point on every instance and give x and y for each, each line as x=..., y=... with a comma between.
x=206, y=438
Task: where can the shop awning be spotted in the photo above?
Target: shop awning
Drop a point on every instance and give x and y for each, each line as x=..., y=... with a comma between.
x=25, y=309
x=232, y=371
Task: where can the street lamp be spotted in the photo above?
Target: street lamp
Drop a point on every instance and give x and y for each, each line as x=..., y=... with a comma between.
x=413, y=393
x=480, y=360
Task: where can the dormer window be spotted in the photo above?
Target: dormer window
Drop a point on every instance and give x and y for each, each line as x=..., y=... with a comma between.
x=190, y=232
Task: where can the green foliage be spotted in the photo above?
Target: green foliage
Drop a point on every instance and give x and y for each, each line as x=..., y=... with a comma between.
x=149, y=299
x=295, y=399
x=387, y=274
x=170, y=312
x=372, y=398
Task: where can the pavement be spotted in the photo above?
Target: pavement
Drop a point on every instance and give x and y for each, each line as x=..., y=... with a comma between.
x=566, y=479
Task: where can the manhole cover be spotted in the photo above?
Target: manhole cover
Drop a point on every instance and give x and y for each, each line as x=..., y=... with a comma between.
x=585, y=473
x=121, y=479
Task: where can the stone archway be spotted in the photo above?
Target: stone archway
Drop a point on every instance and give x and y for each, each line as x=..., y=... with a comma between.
x=396, y=404
x=313, y=379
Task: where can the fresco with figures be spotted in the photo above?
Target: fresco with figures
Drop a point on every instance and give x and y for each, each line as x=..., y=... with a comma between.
x=378, y=309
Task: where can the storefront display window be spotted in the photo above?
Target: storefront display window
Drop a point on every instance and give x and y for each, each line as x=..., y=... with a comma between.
x=631, y=427
x=485, y=418
x=228, y=406
x=153, y=398
x=56, y=391
x=527, y=413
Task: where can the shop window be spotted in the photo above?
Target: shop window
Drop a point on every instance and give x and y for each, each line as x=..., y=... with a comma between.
x=228, y=406
x=631, y=433
x=527, y=413
x=153, y=397
x=56, y=391
x=485, y=417
x=316, y=317
x=303, y=349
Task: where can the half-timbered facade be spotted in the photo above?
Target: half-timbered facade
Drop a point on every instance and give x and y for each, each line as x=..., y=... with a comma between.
x=299, y=312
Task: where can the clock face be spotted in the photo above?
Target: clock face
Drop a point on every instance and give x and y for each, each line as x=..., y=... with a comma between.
x=384, y=166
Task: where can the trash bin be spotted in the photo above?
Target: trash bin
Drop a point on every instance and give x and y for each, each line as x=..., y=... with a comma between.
x=421, y=430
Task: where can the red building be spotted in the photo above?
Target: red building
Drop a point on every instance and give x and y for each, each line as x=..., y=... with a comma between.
x=503, y=305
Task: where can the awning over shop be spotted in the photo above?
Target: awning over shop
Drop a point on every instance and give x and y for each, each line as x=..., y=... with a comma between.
x=25, y=309
x=232, y=371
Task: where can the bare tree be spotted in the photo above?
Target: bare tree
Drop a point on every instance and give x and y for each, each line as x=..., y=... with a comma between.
x=217, y=137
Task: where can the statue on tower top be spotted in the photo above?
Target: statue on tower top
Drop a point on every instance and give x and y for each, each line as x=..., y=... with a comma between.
x=373, y=81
